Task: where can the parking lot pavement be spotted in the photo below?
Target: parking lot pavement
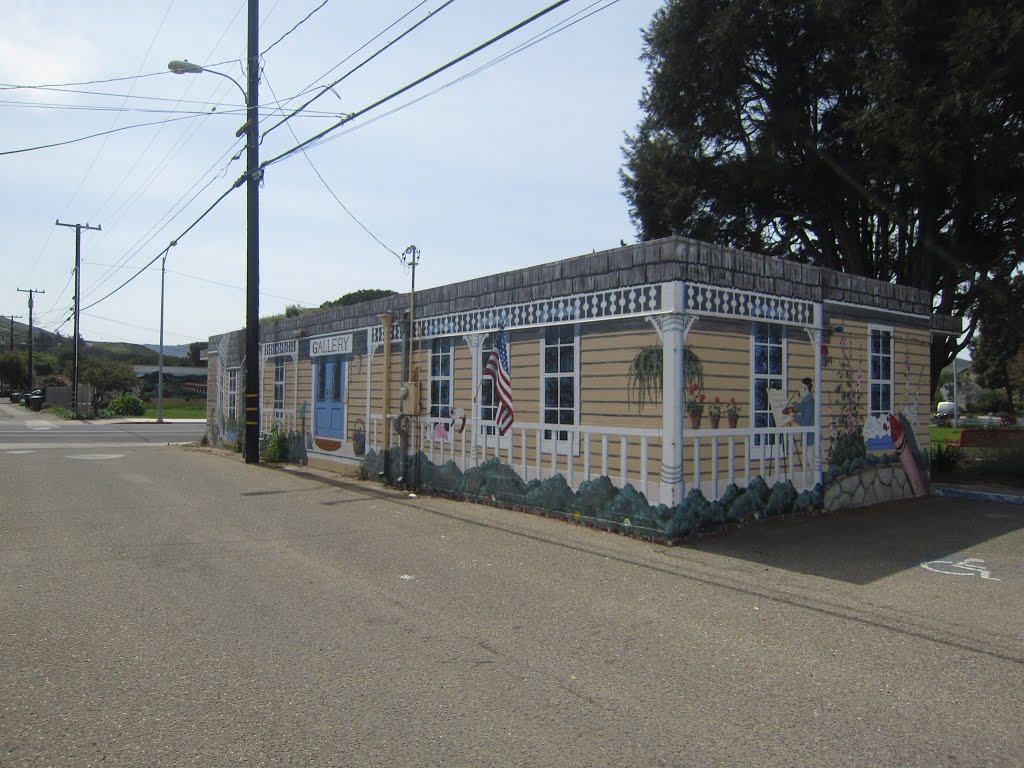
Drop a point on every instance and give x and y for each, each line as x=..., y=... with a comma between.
x=947, y=569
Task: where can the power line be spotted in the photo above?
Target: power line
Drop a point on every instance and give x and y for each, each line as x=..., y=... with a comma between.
x=384, y=31
x=413, y=84
x=232, y=286
x=174, y=242
x=356, y=68
x=161, y=73
x=95, y=135
x=282, y=37
x=332, y=193
x=536, y=39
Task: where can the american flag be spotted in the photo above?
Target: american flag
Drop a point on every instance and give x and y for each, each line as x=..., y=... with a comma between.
x=498, y=369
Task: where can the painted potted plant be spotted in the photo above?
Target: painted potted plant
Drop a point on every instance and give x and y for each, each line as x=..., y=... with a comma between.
x=732, y=412
x=715, y=412
x=695, y=404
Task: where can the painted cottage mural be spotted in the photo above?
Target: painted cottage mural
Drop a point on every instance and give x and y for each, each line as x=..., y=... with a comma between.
x=658, y=389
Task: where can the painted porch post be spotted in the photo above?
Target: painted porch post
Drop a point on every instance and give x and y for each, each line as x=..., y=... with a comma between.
x=371, y=350
x=817, y=336
x=671, y=328
x=475, y=342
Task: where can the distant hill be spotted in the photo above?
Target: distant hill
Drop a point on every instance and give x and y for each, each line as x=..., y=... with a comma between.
x=170, y=350
x=54, y=344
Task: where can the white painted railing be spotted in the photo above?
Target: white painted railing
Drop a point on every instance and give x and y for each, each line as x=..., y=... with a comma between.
x=283, y=418
x=713, y=458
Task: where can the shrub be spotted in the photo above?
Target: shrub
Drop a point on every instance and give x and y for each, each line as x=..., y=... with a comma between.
x=126, y=405
x=276, y=449
x=946, y=459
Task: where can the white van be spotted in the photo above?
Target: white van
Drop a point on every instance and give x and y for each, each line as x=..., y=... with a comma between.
x=944, y=413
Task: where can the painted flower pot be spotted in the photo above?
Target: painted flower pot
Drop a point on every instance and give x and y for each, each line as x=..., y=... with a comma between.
x=714, y=421
x=695, y=420
x=733, y=421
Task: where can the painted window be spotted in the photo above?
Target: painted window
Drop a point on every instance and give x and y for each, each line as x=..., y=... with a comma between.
x=440, y=379
x=880, y=365
x=233, y=394
x=560, y=379
x=768, y=364
x=279, y=385
x=329, y=380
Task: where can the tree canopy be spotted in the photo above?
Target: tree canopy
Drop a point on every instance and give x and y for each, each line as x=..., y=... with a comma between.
x=883, y=138
x=357, y=297
x=1001, y=339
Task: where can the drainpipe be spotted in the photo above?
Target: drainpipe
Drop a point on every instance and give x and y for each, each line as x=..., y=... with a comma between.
x=385, y=320
x=403, y=437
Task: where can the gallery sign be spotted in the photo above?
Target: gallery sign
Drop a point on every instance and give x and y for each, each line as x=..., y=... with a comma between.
x=331, y=345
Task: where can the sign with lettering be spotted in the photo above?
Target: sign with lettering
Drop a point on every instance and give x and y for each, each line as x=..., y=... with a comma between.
x=331, y=345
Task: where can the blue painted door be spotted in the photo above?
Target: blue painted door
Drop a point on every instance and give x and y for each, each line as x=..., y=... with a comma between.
x=329, y=414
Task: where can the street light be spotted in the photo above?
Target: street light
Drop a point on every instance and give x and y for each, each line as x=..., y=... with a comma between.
x=252, y=177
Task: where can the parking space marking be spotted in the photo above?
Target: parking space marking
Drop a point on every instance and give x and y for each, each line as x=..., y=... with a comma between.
x=969, y=566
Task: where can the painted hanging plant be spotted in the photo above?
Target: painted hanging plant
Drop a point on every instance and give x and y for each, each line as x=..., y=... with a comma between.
x=645, y=379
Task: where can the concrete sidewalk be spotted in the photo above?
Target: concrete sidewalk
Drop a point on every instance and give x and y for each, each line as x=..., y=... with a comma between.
x=1004, y=494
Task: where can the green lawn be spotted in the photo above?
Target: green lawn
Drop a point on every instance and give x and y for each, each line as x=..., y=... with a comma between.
x=939, y=434
x=178, y=409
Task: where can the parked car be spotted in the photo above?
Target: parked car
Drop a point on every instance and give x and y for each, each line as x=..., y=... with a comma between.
x=944, y=414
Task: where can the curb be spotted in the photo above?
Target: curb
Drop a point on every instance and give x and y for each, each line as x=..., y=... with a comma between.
x=970, y=493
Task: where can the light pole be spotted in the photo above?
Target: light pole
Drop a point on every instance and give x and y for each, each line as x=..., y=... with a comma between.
x=160, y=373
x=252, y=260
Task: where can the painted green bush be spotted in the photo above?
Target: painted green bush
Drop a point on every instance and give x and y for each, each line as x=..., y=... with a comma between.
x=600, y=504
x=592, y=497
x=442, y=477
x=551, y=495
x=493, y=481
x=628, y=512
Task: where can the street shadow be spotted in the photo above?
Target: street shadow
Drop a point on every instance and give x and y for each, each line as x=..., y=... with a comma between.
x=860, y=546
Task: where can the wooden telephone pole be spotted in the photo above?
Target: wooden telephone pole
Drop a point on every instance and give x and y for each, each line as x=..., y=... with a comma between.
x=31, y=366
x=78, y=290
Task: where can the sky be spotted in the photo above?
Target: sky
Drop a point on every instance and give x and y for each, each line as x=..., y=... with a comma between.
x=515, y=165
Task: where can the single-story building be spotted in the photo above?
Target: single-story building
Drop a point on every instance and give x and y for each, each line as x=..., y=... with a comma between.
x=665, y=366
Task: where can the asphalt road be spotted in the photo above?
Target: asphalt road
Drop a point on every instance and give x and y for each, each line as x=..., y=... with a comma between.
x=176, y=607
x=23, y=429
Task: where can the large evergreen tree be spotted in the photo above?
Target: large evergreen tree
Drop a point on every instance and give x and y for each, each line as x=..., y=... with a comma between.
x=879, y=137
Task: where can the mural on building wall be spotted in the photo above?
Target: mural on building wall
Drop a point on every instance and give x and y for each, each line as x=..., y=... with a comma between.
x=855, y=440
x=598, y=502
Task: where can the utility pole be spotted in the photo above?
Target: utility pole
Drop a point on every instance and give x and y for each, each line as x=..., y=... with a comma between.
x=13, y=317
x=78, y=291
x=253, y=177
x=31, y=367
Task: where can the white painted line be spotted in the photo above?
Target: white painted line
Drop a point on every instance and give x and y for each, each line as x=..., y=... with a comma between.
x=72, y=445
x=19, y=452
x=969, y=566
x=97, y=456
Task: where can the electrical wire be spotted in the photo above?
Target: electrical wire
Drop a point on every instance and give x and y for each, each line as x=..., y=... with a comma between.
x=232, y=286
x=282, y=37
x=356, y=68
x=316, y=138
x=174, y=242
x=314, y=87
x=335, y=196
x=94, y=135
x=538, y=38
x=410, y=86
x=10, y=86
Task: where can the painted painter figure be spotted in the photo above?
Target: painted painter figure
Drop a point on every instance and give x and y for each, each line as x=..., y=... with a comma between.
x=801, y=412
x=899, y=441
